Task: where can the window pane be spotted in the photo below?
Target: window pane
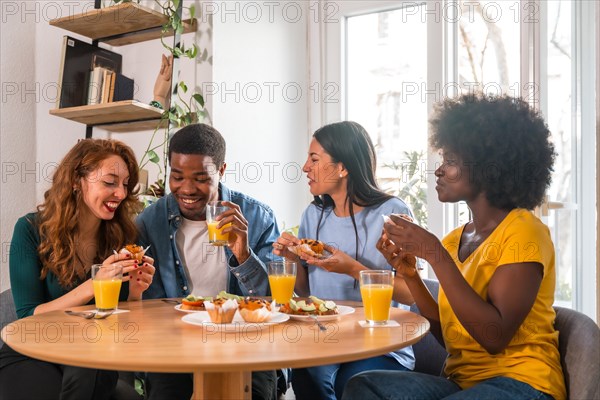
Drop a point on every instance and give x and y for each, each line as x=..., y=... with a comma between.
x=386, y=68
x=489, y=46
x=559, y=112
x=488, y=54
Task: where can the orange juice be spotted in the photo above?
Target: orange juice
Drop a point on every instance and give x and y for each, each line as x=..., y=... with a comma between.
x=282, y=287
x=376, y=299
x=106, y=293
x=216, y=236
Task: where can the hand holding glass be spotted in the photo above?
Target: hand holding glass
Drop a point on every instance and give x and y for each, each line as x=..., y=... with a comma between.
x=216, y=236
x=376, y=288
x=107, y=285
x=282, y=278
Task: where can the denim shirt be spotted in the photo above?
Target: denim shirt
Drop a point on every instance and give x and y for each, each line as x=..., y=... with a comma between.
x=158, y=225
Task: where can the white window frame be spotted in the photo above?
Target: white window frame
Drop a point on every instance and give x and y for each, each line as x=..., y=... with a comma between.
x=332, y=55
x=327, y=55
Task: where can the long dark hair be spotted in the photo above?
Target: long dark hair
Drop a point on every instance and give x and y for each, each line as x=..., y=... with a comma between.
x=349, y=143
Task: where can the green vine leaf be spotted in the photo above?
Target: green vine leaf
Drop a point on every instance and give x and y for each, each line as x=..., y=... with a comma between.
x=181, y=112
x=183, y=86
x=193, y=51
x=199, y=99
x=153, y=157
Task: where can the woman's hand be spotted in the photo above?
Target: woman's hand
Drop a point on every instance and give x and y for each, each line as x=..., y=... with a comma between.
x=338, y=262
x=280, y=247
x=139, y=275
x=140, y=278
x=411, y=239
x=404, y=263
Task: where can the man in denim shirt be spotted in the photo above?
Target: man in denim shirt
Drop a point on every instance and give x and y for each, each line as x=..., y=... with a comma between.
x=175, y=228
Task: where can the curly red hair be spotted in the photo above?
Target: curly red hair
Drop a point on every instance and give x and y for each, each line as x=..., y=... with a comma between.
x=59, y=213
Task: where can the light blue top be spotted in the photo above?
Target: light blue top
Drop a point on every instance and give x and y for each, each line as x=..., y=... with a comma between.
x=339, y=233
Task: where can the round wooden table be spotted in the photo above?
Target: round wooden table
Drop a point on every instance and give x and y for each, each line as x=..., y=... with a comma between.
x=152, y=337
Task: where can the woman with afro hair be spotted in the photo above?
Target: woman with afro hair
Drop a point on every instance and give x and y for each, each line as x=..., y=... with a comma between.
x=494, y=311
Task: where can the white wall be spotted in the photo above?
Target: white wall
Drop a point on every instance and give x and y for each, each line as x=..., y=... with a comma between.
x=17, y=123
x=260, y=96
x=260, y=63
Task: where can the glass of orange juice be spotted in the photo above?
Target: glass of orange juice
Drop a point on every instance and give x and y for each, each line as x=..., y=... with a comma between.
x=216, y=237
x=376, y=288
x=282, y=278
x=107, y=286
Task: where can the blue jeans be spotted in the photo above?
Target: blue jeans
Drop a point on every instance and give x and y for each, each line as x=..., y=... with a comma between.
x=418, y=386
x=327, y=382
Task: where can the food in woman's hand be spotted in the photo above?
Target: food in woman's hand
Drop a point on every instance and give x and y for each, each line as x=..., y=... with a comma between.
x=195, y=303
x=221, y=311
x=406, y=217
x=255, y=310
x=137, y=252
x=312, y=306
x=310, y=247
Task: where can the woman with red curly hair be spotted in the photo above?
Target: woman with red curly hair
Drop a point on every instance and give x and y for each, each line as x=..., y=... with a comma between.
x=86, y=214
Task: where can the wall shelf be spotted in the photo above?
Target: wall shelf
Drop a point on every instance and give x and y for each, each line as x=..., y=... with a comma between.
x=120, y=25
x=119, y=116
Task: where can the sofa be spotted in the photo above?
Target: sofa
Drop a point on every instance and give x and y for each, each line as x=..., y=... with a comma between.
x=578, y=341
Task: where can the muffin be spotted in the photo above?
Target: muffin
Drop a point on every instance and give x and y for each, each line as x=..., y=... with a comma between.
x=221, y=311
x=137, y=252
x=255, y=310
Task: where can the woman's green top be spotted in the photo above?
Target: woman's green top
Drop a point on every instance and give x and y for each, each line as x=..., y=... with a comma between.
x=25, y=267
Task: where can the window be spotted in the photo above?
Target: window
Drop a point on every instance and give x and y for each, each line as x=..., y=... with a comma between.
x=383, y=93
x=390, y=59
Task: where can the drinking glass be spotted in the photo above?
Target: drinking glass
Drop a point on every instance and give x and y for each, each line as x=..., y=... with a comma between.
x=107, y=285
x=376, y=288
x=282, y=278
x=216, y=236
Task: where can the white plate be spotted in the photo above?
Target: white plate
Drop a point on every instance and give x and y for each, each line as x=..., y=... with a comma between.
x=343, y=310
x=201, y=318
x=178, y=308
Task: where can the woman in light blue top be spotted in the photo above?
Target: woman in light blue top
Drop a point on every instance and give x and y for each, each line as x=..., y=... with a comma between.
x=346, y=215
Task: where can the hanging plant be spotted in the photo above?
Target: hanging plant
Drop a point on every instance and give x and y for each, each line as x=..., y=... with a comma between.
x=182, y=111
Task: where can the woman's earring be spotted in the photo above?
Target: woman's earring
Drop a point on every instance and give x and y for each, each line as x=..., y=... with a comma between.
x=341, y=176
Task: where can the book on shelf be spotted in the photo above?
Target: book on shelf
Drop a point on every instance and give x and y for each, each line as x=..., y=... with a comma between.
x=111, y=87
x=78, y=67
x=95, y=85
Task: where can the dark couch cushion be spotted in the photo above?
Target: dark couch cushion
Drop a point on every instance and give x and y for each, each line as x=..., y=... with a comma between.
x=7, y=310
x=579, y=345
x=429, y=354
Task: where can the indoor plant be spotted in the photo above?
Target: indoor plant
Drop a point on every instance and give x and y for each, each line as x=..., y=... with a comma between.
x=181, y=112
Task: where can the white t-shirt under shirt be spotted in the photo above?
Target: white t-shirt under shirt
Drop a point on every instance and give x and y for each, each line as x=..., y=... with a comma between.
x=205, y=264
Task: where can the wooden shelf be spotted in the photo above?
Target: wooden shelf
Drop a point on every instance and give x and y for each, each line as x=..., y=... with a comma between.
x=119, y=25
x=120, y=116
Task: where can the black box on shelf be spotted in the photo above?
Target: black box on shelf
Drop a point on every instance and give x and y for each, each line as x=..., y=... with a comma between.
x=77, y=65
x=123, y=88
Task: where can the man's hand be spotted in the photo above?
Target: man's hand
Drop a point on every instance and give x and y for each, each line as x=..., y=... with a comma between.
x=238, y=231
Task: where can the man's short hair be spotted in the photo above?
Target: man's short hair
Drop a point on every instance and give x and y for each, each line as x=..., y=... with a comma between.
x=199, y=139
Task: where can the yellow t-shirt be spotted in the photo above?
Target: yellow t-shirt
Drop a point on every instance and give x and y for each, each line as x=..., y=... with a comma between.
x=532, y=355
